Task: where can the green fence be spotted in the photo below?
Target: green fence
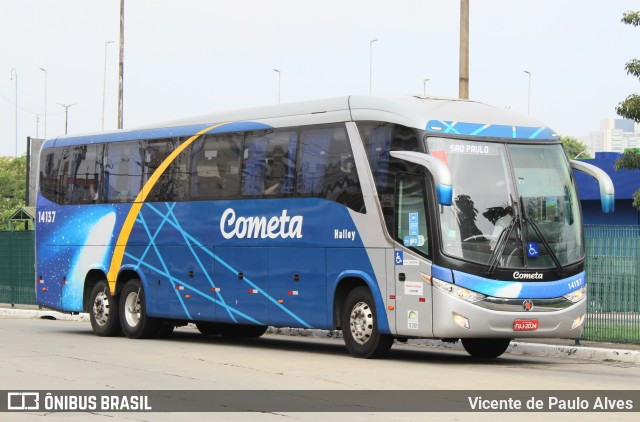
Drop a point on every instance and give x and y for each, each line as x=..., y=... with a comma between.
x=17, y=260
x=613, y=279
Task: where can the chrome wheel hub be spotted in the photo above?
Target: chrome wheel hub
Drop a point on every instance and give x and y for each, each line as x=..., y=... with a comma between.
x=361, y=322
x=132, y=309
x=101, y=308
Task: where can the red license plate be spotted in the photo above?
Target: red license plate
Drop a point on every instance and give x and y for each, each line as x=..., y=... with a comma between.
x=525, y=325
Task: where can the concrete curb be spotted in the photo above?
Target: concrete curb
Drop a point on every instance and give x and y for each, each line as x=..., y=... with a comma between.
x=517, y=347
x=37, y=313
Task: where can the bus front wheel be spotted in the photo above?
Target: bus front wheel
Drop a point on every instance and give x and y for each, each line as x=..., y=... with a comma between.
x=133, y=312
x=485, y=347
x=104, y=311
x=360, y=326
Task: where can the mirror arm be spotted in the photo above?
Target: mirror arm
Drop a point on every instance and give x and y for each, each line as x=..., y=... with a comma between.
x=438, y=169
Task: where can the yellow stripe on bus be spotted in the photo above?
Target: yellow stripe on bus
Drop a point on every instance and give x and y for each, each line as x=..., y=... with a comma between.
x=123, y=237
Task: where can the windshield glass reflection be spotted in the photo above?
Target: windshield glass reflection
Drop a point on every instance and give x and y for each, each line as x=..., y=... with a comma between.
x=489, y=193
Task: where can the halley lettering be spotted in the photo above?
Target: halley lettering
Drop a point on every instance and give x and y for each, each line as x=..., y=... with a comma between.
x=256, y=227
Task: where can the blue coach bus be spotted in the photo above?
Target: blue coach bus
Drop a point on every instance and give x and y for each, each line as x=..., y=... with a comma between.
x=388, y=218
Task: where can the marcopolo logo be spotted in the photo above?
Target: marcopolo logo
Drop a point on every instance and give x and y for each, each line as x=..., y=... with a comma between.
x=527, y=276
x=282, y=226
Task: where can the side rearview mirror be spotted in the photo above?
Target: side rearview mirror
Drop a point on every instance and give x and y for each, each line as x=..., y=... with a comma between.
x=438, y=169
x=607, y=191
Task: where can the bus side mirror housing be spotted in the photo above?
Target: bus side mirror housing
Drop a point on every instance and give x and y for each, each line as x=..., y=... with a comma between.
x=438, y=169
x=607, y=191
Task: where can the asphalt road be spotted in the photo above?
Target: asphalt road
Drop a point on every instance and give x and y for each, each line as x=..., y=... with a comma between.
x=38, y=354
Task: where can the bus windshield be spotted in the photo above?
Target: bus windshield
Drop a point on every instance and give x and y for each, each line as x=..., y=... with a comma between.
x=514, y=205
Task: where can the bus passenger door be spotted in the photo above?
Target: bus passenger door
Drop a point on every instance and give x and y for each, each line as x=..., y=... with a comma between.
x=413, y=304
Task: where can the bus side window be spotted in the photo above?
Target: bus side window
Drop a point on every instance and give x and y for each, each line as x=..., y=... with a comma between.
x=254, y=167
x=85, y=178
x=341, y=183
x=313, y=157
x=229, y=150
x=49, y=182
x=64, y=188
x=269, y=164
x=123, y=171
x=205, y=176
x=327, y=168
x=172, y=183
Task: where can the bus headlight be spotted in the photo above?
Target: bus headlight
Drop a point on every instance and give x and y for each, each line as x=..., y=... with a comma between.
x=457, y=291
x=577, y=295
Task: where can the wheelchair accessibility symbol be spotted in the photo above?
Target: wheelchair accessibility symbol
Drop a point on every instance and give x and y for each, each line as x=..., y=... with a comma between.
x=533, y=250
x=399, y=258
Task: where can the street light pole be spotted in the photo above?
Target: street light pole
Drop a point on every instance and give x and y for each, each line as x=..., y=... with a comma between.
x=14, y=76
x=279, y=85
x=121, y=66
x=371, y=66
x=66, y=115
x=529, y=96
x=45, y=101
x=425, y=87
x=104, y=79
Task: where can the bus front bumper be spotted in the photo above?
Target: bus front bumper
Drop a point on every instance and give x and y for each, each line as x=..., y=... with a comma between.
x=456, y=318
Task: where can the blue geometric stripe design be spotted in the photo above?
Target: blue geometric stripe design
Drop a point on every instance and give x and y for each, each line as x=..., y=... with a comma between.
x=483, y=129
x=169, y=219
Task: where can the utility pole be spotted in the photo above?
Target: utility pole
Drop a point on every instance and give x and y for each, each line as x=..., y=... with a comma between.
x=14, y=76
x=464, y=50
x=104, y=79
x=121, y=65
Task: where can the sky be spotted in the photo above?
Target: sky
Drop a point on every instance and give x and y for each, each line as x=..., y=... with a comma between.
x=191, y=57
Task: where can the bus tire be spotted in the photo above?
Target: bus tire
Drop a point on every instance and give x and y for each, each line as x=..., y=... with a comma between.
x=360, y=326
x=133, y=312
x=485, y=348
x=103, y=311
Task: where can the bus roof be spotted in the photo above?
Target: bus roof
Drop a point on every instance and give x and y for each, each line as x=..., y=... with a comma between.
x=436, y=115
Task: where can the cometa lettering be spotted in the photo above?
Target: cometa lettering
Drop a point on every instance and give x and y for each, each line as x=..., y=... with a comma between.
x=257, y=227
x=527, y=276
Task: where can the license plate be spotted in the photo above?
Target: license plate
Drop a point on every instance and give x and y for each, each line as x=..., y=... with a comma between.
x=525, y=325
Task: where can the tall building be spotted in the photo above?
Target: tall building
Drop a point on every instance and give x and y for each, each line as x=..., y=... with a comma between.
x=615, y=135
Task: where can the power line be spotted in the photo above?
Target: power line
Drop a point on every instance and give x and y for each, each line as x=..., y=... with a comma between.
x=25, y=110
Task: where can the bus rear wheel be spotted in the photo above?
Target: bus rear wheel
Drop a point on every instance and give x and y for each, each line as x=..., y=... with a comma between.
x=485, y=348
x=360, y=326
x=103, y=312
x=133, y=312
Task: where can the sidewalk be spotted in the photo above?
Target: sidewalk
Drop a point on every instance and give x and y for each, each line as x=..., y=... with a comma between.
x=560, y=348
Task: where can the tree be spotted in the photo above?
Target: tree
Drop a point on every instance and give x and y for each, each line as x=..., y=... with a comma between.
x=574, y=148
x=12, y=187
x=630, y=109
x=630, y=161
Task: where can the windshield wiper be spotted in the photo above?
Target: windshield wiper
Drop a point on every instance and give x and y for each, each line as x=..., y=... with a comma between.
x=501, y=243
x=546, y=244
